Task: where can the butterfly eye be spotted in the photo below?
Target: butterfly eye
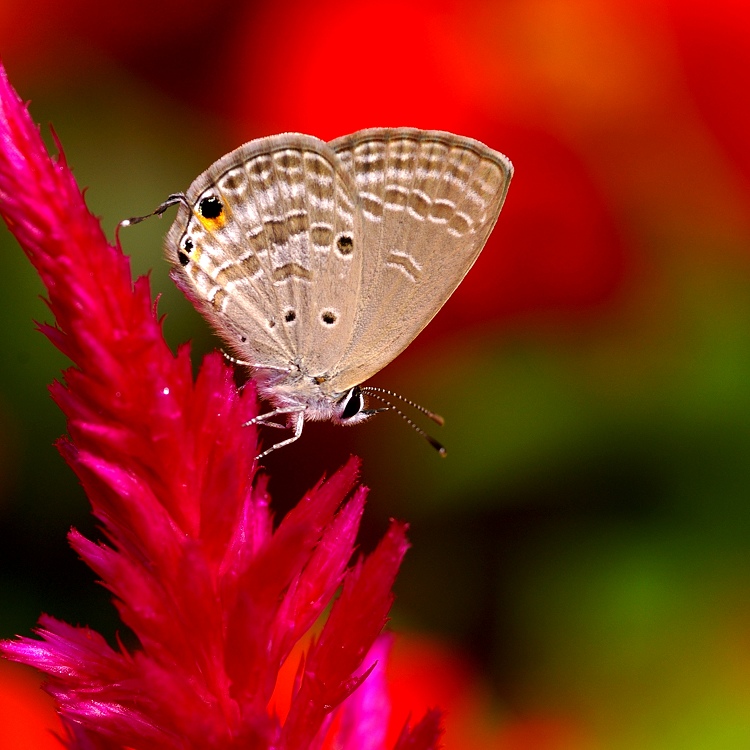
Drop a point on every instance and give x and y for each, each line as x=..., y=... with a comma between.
x=353, y=403
x=210, y=207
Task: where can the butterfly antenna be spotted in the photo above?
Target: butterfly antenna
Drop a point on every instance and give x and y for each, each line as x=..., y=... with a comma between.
x=431, y=440
x=172, y=200
x=431, y=414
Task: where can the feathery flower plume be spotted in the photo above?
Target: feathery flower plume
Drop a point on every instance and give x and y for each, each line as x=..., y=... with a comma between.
x=216, y=597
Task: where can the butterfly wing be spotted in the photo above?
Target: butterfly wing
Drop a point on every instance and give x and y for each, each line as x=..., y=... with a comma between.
x=270, y=240
x=429, y=201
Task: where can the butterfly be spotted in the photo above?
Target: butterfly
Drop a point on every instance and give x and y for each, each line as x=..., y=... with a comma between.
x=318, y=263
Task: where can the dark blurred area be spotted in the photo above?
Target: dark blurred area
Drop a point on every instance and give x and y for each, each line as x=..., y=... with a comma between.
x=585, y=547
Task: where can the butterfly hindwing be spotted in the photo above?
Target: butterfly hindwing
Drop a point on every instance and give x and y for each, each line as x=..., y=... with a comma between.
x=429, y=201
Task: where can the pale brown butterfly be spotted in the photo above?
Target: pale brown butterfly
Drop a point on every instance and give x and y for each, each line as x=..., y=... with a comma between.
x=318, y=263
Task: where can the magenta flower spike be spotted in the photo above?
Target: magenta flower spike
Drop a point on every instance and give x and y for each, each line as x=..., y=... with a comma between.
x=215, y=595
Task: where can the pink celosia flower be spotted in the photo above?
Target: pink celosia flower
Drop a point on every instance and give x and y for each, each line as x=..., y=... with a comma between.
x=216, y=597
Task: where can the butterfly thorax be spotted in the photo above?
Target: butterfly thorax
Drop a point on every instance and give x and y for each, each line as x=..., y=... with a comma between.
x=294, y=391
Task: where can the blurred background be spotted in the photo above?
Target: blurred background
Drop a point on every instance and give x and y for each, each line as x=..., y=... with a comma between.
x=580, y=570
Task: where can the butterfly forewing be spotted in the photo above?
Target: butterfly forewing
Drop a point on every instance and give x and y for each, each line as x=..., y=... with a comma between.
x=429, y=200
x=269, y=270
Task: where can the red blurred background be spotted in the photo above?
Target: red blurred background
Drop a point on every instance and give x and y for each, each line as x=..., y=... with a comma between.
x=579, y=575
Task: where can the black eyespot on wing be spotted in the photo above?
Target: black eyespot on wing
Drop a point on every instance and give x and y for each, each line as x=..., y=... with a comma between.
x=290, y=316
x=210, y=207
x=345, y=244
x=328, y=317
x=182, y=252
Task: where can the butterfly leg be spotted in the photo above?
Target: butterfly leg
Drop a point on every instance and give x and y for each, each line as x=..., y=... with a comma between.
x=234, y=360
x=299, y=420
x=264, y=418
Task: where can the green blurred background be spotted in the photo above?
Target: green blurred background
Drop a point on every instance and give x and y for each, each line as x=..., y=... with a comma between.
x=586, y=544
